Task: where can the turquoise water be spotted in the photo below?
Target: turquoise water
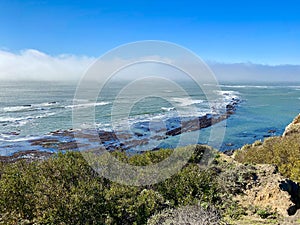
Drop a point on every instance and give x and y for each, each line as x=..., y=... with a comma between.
x=266, y=107
x=33, y=109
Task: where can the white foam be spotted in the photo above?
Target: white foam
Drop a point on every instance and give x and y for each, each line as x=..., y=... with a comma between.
x=228, y=95
x=228, y=92
x=246, y=86
x=297, y=87
x=11, y=138
x=15, y=108
x=86, y=105
x=4, y=136
x=11, y=119
x=260, y=86
x=45, y=104
x=24, y=120
x=187, y=101
x=167, y=109
x=30, y=107
x=104, y=126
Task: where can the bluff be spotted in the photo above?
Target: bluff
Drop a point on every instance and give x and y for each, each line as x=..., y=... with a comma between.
x=276, y=161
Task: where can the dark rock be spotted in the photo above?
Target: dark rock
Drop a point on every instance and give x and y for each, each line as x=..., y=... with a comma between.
x=69, y=145
x=44, y=142
x=138, y=134
x=292, y=210
x=30, y=155
x=293, y=189
x=230, y=107
x=229, y=152
x=12, y=133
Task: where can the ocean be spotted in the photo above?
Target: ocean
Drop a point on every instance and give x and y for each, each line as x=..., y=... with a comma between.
x=31, y=110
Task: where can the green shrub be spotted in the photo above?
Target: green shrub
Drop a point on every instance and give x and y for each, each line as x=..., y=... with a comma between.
x=281, y=151
x=61, y=190
x=189, y=186
x=266, y=213
x=148, y=202
x=65, y=190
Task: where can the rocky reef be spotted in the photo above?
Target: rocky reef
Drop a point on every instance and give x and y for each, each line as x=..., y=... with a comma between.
x=143, y=135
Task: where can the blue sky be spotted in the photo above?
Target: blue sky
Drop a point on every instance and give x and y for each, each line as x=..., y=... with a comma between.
x=263, y=32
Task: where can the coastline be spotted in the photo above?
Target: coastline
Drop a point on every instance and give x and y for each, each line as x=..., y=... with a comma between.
x=249, y=191
x=64, y=140
x=263, y=111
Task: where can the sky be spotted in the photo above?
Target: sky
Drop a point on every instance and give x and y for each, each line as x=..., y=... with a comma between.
x=68, y=33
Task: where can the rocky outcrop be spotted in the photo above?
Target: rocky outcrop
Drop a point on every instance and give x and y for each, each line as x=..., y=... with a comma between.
x=205, y=121
x=293, y=127
x=268, y=192
x=263, y=188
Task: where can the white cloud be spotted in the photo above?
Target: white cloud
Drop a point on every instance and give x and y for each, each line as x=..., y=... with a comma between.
x=35, y=65
x=32, y=64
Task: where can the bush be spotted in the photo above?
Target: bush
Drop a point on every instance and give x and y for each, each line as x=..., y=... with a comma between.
x=281, y=151
x=189, y=186
x=266, y=213
x=65, y=190
x=61, y=190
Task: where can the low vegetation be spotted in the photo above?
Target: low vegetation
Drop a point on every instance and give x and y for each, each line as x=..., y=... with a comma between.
x=64, y=189
x=281, y=151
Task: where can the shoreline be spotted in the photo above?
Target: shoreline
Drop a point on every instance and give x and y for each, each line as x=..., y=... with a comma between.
x=63, y=140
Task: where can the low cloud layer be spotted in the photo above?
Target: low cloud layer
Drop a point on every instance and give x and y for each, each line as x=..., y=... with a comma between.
x=35, y=65
x=256, y=72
